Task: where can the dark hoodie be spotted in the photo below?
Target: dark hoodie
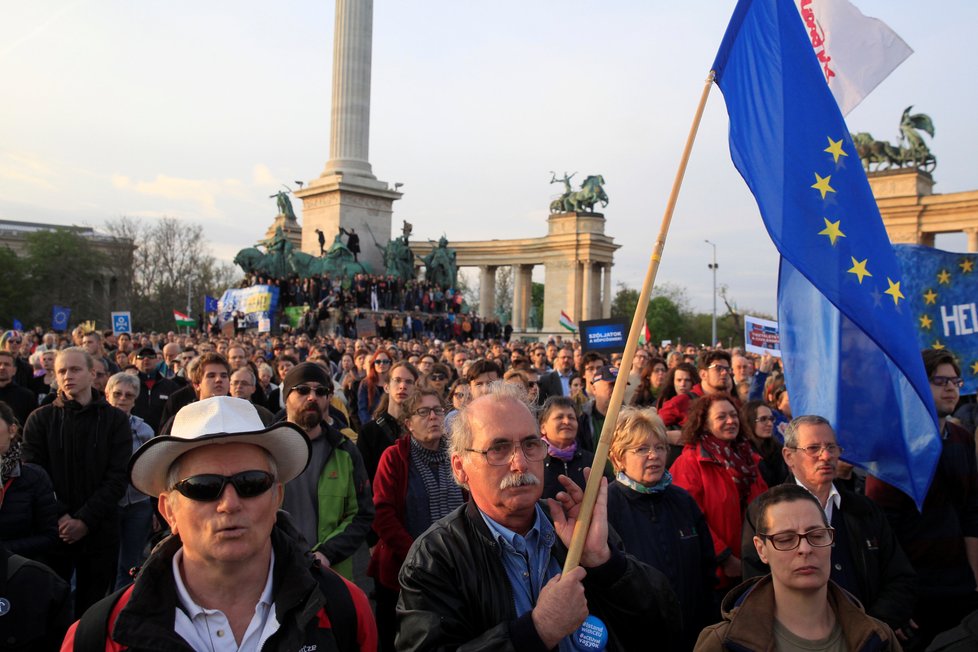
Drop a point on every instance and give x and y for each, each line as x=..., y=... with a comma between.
x=85, y=450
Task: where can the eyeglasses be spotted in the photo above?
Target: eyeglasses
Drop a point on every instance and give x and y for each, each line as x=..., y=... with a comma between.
x=499, y=454
x=126, y=395
x=208, y=487
x=767, y=419
x=720, y=368
x=425, y=412
x=305, y=390
x=784, y=541
x=437, y=376
x=816, y=449
x=944, y=381
x=645, y=451
x=382, y=362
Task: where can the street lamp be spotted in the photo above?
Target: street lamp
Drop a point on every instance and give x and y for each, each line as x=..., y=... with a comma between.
x=714, y=268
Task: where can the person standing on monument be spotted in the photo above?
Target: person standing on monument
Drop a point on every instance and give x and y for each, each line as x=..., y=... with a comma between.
x=352, y=242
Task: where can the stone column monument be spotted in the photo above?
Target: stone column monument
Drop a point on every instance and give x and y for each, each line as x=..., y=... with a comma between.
x=347, y=194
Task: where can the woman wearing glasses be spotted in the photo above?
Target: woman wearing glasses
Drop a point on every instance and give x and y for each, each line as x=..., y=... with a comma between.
x=796, y=607
x=413, y=488
x=658, y=522
x=758, y=420
x=719, y=469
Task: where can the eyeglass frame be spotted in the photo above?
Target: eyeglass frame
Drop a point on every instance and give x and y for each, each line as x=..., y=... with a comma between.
x=831, y=449
x=438, y=411
x=798, y=537
x=521, y=445
x=944, y=381
x=661, y=449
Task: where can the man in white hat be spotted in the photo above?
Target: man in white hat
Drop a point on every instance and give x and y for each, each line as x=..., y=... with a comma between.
x=231, y=576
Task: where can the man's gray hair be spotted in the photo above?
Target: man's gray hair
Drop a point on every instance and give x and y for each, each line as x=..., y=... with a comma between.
x=791, y=432
x=126, y=380
x=498, y=392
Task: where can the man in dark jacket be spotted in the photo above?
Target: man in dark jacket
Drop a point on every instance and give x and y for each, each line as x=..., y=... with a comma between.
x=867, y=560
x=486, y=576
x=84, y=444
x=20, y=399
x=154, y=388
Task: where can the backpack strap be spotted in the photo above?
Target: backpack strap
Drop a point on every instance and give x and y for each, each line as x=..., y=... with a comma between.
x=340, y=608
x=93, y=627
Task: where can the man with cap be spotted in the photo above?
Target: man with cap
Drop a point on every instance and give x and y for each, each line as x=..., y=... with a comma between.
x=232, y=575
x=154, y=388
x=331, y=500
x=594, y=411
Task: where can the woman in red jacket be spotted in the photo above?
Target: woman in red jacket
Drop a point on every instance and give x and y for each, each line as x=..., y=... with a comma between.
x=720, y=471
x=413, y=488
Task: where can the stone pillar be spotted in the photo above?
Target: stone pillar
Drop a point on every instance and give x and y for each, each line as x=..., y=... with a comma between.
x=587, y=287
x=487, y=291
x=517, y=320
x=349, y=135
x=972, y=239
x=606, y=295
x=526, y=276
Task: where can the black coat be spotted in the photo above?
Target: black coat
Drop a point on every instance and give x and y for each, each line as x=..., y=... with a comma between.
x=39, y=602
x=886, y=580
x=21, y=400
x=150, y=402
x=455, y=594
x=29, y=518
x=85, y=450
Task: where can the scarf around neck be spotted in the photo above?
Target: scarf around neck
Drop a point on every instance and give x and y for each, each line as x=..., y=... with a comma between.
x=638, y=487
x=562, y=454
x=737, y=458
x=436, y=474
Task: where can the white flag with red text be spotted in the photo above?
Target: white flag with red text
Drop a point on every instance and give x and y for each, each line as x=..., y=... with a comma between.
x=856, y=52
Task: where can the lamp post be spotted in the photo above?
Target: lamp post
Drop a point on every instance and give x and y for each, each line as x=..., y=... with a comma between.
x=714, y=268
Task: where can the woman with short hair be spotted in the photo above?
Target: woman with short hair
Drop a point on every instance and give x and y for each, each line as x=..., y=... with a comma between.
x=659, y=522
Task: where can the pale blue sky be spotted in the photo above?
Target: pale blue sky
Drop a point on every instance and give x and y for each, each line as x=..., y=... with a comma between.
x=199, y=110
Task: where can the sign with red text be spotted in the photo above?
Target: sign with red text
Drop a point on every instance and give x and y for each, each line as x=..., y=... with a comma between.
x=761, y=336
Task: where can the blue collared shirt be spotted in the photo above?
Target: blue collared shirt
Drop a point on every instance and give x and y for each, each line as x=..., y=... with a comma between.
x=528, y=562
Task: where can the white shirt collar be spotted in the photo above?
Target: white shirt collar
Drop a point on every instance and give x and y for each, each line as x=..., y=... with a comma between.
x=835, y=499
x=192, y=608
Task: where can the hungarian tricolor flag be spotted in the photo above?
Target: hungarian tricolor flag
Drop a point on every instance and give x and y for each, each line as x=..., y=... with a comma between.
x=182, y=319
x=645, y=335
x=567, y=322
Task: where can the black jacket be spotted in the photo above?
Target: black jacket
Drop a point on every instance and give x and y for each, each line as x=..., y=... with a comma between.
x=149, y=404
x=29, y=518
x=374, y=438
x=886, y=580
x=21, y=400
x=39, y=605
x=85, y=450
x=455, y=594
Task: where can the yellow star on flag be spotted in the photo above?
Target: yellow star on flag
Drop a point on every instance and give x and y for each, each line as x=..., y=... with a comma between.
x=926, y=322
x=937, y=346
x=835, y=149
x=930, y=297
x=832, y=230
x=859, y=269
x=822, y=184
x=966, y=265
x=894, y=291
x=974, y=368
x=944, y=277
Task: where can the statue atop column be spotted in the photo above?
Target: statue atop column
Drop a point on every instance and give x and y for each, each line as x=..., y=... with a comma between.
x=284, y=204
x=398, y=257
x=581, y=201
x=441, y=268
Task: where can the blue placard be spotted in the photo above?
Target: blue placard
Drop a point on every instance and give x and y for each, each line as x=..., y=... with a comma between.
x=121, y=323
x=257, y=303
x=603, y=335
x=942, y=295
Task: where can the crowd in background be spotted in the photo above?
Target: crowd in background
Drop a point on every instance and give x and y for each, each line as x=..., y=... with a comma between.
x=703, y=433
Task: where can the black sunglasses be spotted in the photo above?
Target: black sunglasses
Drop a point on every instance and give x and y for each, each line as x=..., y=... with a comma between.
x=305, y=390
x=437, y=376
x=208, y=487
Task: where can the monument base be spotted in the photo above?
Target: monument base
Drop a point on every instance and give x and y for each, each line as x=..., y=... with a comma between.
x=352, y=202
x=290, y=228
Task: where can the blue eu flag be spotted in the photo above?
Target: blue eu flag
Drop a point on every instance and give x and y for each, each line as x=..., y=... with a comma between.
x=847, y=338
x=210, y=303
x=59, y=318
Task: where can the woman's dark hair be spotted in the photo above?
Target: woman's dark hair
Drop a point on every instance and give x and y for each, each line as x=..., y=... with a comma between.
x=696, y=419
x=747, y=415
x=669, y=384
x=8, y=415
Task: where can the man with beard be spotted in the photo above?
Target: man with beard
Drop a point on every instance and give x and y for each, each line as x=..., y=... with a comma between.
x=488, y=575
x=330, y=500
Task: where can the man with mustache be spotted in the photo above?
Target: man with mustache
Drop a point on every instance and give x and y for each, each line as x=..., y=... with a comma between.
x=867, y=560
x=330, y=500
x=488, y=575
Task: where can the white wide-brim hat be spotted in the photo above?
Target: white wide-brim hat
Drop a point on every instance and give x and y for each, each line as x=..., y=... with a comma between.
x=217, y=421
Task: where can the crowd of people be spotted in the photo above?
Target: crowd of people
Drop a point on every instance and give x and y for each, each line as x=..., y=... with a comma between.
x=211, y=492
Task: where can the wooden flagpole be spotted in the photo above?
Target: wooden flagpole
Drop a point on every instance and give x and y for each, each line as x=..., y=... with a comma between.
x=618, y=394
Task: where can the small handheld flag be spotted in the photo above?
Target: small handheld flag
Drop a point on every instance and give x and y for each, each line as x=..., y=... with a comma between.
x=567, y=322
x=183, y=320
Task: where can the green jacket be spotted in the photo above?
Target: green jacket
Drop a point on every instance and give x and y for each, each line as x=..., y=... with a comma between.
x=346, y=507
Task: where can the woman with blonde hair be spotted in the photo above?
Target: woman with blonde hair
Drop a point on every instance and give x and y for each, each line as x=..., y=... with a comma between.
x=659, y=522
